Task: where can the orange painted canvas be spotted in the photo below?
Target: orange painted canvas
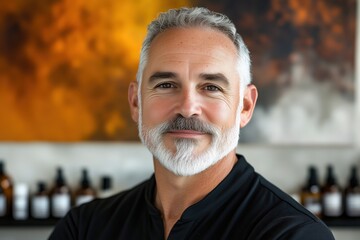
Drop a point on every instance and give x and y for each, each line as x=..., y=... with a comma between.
x=65, y=66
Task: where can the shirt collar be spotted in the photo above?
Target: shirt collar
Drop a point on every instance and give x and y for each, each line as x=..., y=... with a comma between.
x=230, y=185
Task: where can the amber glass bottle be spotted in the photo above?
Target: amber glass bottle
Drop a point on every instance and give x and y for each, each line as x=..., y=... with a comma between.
x=352, y=195
x=310, y=196
x=331, y=195
x=6, y=193
x=86, y=192
x=60, y=196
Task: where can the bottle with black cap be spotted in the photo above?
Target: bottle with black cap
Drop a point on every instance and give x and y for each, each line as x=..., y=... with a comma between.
x=86, y=192
x=40, y=202
x=352, y=195
x=331, y=195
x=311, y=195
x=60, y=197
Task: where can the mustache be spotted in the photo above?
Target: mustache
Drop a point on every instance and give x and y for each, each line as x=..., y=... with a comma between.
x=194, y=124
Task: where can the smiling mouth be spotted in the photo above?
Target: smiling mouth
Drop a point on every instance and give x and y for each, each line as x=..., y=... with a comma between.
x=186, y=133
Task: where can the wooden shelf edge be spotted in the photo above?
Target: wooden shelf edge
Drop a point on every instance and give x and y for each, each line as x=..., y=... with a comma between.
x=4, y=222
x=342, y=222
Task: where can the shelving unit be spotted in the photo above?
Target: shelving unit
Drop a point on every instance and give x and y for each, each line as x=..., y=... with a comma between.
x=5, y=222
x=342, y=222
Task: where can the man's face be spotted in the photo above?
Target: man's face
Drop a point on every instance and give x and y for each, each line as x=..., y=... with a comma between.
x=190, y=98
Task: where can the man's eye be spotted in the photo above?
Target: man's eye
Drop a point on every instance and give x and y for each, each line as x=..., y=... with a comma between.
x=165, y=85
x=212, y=88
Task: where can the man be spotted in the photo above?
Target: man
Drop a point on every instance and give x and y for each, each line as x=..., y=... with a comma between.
x=192, y=95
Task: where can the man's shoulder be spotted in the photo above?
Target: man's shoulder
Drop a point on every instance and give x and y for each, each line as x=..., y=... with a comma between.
x=285, y=218
x=283, y=202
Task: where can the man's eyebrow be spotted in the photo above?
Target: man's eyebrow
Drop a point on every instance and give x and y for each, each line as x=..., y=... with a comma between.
x=162, y=75
x=215, y=77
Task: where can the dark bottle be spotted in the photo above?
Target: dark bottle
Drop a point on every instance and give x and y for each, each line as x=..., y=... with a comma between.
x=60, y=196
x=310, y=196
x=86, y=192
x=352, y=195
x=40, y=202
x=6, y=192
x=331, y=195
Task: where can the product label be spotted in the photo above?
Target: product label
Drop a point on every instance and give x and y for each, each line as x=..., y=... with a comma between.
x=106, y=193
x=332, y=204
x=353, y=205
x=20, y=208
x=61, y=204
x=313, y=205
x=2, y=205
x=40, y=207
x=83, y=199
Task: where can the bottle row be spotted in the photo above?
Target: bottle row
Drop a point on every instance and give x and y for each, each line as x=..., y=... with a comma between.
x=18, y=203
x=330, y=200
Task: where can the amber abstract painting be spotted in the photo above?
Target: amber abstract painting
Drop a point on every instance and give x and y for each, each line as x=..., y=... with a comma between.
x=65, y=66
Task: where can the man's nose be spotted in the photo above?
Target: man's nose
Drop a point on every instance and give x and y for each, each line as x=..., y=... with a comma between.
x=189, y=104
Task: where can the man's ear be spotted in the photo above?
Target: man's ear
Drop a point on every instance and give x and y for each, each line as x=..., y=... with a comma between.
x=133, y=101
x=249, y=102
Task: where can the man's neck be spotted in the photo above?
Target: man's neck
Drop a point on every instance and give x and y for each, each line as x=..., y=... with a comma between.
x=174, y=194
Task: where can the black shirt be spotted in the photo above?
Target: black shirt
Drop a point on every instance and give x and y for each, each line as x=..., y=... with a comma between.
x=243, y=206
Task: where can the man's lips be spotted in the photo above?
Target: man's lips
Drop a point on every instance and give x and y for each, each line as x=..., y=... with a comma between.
x=185, y=133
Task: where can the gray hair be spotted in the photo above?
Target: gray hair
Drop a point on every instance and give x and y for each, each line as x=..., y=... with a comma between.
x=197, y=17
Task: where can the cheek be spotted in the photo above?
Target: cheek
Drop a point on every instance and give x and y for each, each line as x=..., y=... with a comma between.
x=221, y=115
x=154, y=111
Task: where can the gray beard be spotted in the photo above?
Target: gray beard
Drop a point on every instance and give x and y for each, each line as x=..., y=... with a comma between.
x=185, y=162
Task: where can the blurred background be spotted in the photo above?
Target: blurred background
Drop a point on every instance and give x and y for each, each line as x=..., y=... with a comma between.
x=65, y=67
